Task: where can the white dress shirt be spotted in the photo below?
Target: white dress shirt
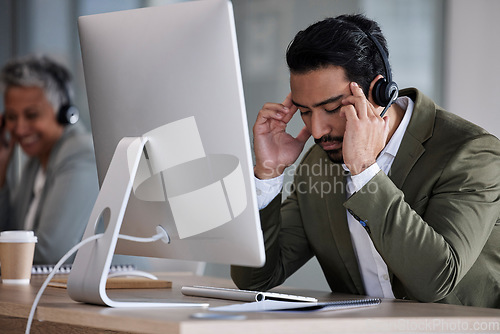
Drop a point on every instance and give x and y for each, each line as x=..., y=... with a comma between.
x=372, y=267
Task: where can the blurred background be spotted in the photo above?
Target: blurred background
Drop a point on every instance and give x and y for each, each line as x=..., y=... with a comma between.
x=449, y=49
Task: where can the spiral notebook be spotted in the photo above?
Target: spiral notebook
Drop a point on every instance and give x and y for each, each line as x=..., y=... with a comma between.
x=66, y=268
x=337, y=305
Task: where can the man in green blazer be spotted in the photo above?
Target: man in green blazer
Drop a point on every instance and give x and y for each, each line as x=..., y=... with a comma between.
x=400, y=205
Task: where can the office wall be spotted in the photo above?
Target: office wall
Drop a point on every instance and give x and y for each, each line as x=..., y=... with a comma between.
x=5, y=30
x=472, y=66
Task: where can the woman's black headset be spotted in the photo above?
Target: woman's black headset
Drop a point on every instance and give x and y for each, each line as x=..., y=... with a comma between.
x=67, y=113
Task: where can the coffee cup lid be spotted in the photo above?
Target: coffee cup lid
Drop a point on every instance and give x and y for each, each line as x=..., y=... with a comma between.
x=18, y=236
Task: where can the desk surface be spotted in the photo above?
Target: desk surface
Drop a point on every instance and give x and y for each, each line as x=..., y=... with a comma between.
x=58, y=313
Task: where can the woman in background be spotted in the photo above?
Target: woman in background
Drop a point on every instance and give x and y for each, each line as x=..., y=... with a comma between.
x=58, y=186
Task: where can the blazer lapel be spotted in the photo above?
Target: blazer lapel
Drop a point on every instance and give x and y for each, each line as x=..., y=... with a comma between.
x=410, y=150
x=419, y=130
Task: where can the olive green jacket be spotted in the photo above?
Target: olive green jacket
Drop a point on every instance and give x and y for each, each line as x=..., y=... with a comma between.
x=434, y=219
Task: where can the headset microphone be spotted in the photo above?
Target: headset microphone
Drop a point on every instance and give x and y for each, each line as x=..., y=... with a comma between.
x=393, y=98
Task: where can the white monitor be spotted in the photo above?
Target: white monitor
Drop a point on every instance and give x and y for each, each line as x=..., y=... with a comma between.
x=171, y=140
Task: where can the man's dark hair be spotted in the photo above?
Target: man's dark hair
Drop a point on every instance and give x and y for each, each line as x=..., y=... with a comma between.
x=340, y=41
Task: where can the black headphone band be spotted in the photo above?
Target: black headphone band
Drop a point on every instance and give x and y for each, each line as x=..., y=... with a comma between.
x=382, y=53
x=385, y=91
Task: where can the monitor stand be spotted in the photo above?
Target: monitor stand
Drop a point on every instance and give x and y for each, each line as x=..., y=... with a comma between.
x=87, y=279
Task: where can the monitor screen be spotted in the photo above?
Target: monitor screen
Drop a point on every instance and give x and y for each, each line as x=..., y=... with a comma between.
x=171, y=75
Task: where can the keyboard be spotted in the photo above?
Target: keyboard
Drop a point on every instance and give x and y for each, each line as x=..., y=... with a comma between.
x=241, y=295
x=66, y=268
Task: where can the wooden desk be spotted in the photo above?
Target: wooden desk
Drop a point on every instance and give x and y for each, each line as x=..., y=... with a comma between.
x=57, y=313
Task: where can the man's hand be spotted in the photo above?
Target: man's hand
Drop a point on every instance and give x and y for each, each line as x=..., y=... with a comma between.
x=366, y=132
x=275, y=149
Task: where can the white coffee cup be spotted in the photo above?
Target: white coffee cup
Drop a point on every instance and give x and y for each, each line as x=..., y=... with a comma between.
x=16, y=256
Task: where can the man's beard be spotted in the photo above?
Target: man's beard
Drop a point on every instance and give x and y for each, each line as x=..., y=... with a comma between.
x=335, y=156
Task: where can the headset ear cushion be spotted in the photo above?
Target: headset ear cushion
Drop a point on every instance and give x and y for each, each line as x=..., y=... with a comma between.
x=378, y=92
x=68, y=114
x=383, y=91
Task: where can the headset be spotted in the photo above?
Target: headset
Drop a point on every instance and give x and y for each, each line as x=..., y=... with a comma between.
x=67, y=113
x=385, y=91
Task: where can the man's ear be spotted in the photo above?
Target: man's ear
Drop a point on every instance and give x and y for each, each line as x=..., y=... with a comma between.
x=372, y=84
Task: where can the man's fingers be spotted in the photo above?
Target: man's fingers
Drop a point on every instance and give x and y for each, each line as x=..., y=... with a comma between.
x=272, y=111
x=289, y=112
x=303, y=135
x=291, y=109
x=282, y=112
x=288, y=101
x=356, y=90
x=358, y=99
x=349, y=112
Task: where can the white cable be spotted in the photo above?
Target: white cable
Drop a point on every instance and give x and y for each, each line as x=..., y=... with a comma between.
x=51, y=275
x=138, y=239
x=66, y=256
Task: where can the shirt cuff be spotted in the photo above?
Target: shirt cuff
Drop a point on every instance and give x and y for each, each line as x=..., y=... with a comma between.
x=361, y=179
x=267, y=190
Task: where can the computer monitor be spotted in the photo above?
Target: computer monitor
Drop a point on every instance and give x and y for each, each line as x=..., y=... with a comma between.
x=171, y=140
